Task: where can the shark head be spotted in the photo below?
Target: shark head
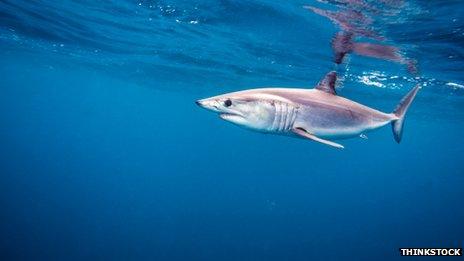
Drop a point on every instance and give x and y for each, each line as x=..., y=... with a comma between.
x=247, y=109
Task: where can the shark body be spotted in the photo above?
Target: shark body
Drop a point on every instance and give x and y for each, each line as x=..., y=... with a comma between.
x=318, y=114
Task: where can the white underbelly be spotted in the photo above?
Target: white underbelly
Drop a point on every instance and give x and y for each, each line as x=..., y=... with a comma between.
x=339, y=130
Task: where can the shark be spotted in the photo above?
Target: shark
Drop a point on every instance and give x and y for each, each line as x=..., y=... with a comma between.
x=317, y=114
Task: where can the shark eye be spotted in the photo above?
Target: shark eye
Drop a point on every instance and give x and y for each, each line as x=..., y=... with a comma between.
x=227, y=102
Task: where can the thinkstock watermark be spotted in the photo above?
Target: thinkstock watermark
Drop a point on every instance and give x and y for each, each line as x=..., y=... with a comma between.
x=431, y=251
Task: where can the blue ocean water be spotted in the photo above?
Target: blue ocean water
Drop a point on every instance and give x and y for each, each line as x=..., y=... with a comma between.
x=105, y=156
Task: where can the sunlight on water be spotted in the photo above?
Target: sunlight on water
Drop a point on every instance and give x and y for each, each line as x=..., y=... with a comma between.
x=257, y=39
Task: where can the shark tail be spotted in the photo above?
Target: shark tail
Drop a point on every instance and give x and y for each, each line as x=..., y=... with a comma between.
x=400, y=112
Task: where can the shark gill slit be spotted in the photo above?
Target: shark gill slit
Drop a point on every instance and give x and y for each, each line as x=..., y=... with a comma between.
x=281, y=117
x=284, y=117
x=289, y=117
x=276, y=116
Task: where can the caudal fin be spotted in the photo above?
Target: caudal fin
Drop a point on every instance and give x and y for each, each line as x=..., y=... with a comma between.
x=400, y=112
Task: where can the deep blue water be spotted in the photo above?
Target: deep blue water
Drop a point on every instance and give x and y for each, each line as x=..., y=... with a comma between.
x=105, y=156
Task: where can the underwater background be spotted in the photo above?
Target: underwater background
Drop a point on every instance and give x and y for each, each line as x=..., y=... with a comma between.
x=105, y=156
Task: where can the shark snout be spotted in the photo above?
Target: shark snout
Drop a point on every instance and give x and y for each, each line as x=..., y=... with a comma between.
x=209, y=104
x=205, y=103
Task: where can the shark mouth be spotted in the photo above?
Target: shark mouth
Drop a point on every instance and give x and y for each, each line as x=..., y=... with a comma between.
x=227, y=116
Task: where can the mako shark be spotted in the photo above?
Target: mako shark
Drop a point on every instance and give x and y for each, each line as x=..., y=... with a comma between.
x=317, y=114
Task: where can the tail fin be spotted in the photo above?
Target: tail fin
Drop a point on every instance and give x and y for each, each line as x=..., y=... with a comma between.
x=400, y=111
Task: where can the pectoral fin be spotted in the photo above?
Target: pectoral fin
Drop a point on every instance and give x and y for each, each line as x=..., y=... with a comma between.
x=303, y=133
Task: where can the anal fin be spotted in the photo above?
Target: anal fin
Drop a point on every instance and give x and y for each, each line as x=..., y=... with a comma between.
x=303, y=133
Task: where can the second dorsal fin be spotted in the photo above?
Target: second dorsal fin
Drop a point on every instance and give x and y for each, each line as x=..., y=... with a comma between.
x=327, y=84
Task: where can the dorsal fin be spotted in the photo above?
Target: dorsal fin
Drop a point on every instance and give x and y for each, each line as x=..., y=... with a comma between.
x=327, y=84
